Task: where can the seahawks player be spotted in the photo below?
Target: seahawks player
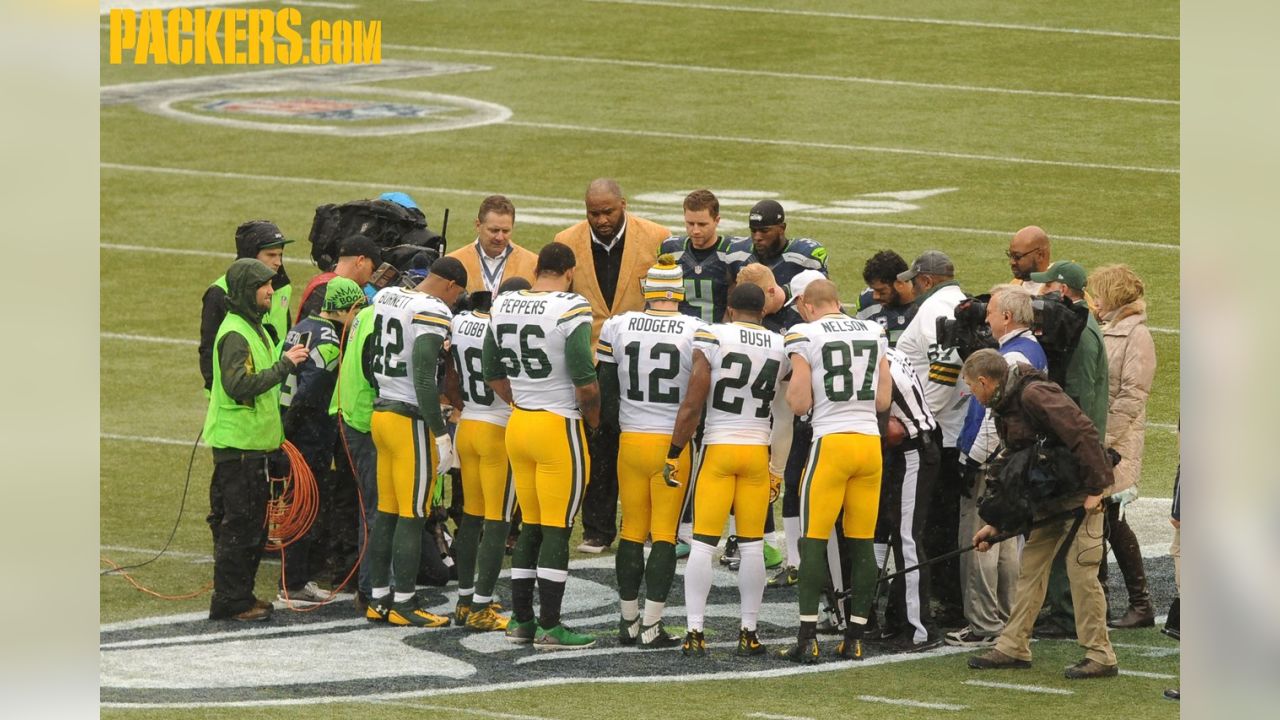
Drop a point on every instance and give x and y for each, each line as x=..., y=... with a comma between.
x=738, y=365
x=710, y=262
x=887, y=299
x=840, y=377
x=644, y=363
x=537, y=356
x=488, y=493
x=770, y=246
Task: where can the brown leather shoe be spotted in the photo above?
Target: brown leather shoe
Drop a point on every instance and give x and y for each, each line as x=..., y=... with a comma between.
x=1087, y=668
x=258, y=603
x=995, y=660
x=253, y=614
x=1137, y=616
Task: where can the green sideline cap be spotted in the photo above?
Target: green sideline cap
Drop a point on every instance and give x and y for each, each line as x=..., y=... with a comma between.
x=341, y=294
x=1064, y=271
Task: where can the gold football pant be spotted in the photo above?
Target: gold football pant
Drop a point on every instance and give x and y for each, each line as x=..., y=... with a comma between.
x=406, y=463
x=843, y=472
x=649, y=507
x=549, y=461
x=737, y=477
x=487, y=487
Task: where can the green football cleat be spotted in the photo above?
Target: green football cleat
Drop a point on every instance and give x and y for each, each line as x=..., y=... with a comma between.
x=749, y=644
x=562, y=638
x=805, y=651
x=772, y=556
x=521, y=633
x=786, y=577
x=695, y=643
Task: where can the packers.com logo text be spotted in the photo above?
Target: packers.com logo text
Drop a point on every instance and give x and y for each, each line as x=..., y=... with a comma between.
x=184, y=36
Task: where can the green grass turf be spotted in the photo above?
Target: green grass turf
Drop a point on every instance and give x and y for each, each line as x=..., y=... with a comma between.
x=583, y=64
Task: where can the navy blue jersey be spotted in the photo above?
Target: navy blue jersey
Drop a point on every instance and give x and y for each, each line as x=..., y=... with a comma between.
x=311, y=383
x=893, y=318
x=799, y=255
x=708, y=274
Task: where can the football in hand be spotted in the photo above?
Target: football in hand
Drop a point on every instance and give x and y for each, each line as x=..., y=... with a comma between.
x=895, y=433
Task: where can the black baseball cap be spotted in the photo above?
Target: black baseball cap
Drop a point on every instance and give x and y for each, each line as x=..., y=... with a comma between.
x=260, y=235
x=766, y=213
x=360, y=245
x=449, y=269
x=930, y=262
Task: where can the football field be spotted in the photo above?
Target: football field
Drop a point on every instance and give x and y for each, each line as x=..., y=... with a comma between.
x=878, y=125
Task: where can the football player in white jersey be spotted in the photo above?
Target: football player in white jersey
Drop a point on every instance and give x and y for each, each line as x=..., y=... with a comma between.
x=738, y=366
x=537, y=356
x=644, y=363
x=488, y=493
x=410, y=328
x=840, y=377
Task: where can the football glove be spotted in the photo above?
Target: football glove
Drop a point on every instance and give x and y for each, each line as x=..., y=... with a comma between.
x=670, y=472
x=775, y=487
x=444, y=453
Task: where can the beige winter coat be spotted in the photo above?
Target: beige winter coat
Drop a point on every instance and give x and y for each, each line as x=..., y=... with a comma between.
x=1131, y=359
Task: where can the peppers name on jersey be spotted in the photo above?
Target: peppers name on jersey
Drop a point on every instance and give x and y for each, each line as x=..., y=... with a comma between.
x=529, y=330
x=747, y=361
x=654, y=354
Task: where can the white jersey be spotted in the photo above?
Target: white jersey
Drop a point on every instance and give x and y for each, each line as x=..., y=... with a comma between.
x=400, y=317
x=479, y=401
x=908, y=396
x=844, y=358
x=747, y=361
x=938, y=369
x=530, y=329
x=654, y=354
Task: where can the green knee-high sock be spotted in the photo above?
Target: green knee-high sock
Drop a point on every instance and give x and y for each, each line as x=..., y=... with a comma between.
x=554, y=552
x=553, y=556
x=406, y=550
x=813, y=574
x=493, y=546
x=465, y=548
x=378, y=554
x=629, y=567
x=528, y=545
x=862, y=580
x=660, y=571
x=524, y=557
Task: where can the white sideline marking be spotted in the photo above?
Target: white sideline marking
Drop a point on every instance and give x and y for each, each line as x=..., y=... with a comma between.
x=148, y=338
x=537, y=198
x=841, y=146
x=912, y=703
x=768, y=716
x=887, y=18
x=147, y=439
x=152, y=551
x=449, y=708
x=1152, y=675
x=353, y=623
x=1014, y=686
x=1168, y=331
x=782, y=75
x=171, y=251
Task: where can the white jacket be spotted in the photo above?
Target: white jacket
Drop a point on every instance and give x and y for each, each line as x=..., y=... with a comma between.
x=939, y=371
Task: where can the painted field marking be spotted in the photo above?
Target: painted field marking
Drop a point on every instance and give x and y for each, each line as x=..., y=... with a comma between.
x=451, y=709
x=1015, y=686
x=171, y=251
x=537, y=198
x=814, y=145
x=769, y=716
x=147, y=439
x=352, y=623
x=1152, y=675
x=912, y=703
x=1164, y=330
x=888, y=18
x=780, y=74
x=198, y=557
x=148, y=339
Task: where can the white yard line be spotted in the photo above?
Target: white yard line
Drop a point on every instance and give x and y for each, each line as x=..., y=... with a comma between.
x=977, y=157
x=912, y=703
x=1151, y=675
x=199, y=557
x=148, y=339
x=677, y=67
x=770, y=716
x=890, y=18
x=1015, y=686
x=538, y=198
x=451, y=709
x=147, y=439
x=171, y=251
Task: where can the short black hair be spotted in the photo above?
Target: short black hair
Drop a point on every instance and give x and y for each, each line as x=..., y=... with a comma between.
x=748, y=297
x=884, y=267
x=513, y=284
x=555, y=258
x=449, y=269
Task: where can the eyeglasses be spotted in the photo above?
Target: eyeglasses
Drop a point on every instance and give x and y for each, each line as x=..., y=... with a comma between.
x=1017, y=257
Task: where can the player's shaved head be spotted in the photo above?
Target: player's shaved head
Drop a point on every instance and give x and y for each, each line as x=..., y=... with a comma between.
x=821, y=292
x=1028, y=252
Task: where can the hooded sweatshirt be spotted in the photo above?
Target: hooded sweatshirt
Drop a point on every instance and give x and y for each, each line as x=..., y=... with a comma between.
x=214, y=307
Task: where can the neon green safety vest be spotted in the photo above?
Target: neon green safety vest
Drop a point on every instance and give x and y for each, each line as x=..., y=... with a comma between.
x=230, y=424
x=354, y=395
x=278, y=316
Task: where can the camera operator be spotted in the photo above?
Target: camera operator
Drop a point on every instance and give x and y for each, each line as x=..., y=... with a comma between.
x=1086, y=383
x=987, y=580
x=1028, y=408
x=932, y=277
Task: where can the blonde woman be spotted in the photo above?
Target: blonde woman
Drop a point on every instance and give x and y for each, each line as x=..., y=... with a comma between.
x=1131, y=358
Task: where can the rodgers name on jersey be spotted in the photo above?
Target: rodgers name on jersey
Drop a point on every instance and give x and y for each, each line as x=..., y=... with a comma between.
x=400, y=317
x=529, y=329
x=654, y=354
x=479, y=400
x=746, y=363
x=708, y=273
x=844, y=357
